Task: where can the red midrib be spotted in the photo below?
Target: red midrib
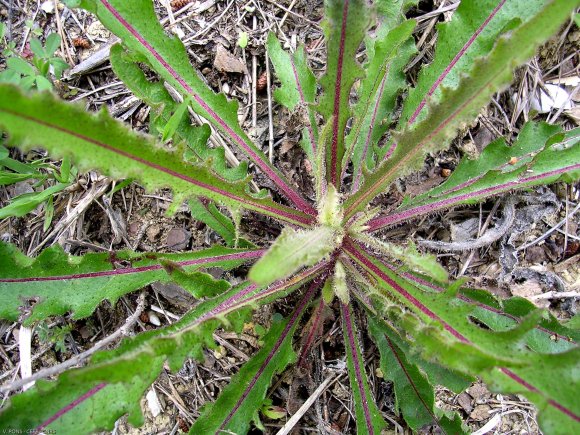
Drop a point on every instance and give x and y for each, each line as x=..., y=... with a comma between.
x=337, y=99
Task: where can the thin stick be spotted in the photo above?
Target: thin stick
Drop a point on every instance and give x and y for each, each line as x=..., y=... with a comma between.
x=550, y=231
x=77, y=359
x=287, y=428
x=63, y=44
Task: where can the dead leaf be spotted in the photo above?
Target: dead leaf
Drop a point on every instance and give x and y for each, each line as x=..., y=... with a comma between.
x=225, y=62
x=481, y=412
x=178, y=239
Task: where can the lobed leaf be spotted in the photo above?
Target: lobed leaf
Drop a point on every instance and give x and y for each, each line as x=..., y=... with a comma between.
x=377, y=97
x=92, y=398
x=298, y=90
x=472, y=32
x=136, y=23
x=541, y=155
x=415, y=396
x=501, y=358
x=345, y=25
x=103, y=143
x=164, y=107
x=245, y=393
x=55, y=283
x=488, y=75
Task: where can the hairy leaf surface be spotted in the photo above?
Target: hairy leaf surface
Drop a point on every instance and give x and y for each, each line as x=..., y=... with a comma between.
x=541, y=155
x=118, y=378
x=244, y=395
x=103, y=143
x=367, y=413
x=457, y=106
x=55, y=282
x=137, y=25
x=345, y=25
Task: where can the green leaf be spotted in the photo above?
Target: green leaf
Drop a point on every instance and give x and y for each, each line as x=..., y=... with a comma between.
x=103, y=143
x=163, y=105
x=377, y=97
x=444, y=332
x=37, y=48
x=415, y=396
x=472, y=32
x=174, y=121
x=25, y=203
x=43, y=84
x=241, y=399
x=298, y=90
x=409, y=256
x=292, y=250
x=52, y=44
x=541, y=155
x=457, y=106
x=368, y=416
x=92, y=398
x=58, y=283
x=243, y=39
x=20, y=66
x=209, y=214
x=136, y=23
x=345, y=25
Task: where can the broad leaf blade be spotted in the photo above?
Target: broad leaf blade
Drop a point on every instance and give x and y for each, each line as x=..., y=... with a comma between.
x=415, y=396
x=101, y=142
x=292, y=250
x=137, y=25
x=55, y=282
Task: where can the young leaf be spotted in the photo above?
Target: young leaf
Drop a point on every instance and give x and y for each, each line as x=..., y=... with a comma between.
x=345, y=25
x=409, y=256
x=174, y=121
x=243, y=396
x=52, y=44
x=58, y=283
x=136, y=23
x=368, y=415
x=292, y=250
x=488, y=75
x=25, y=203
x=101, y=142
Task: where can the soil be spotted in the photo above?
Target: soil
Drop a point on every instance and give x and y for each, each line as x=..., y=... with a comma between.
x=87, y=218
